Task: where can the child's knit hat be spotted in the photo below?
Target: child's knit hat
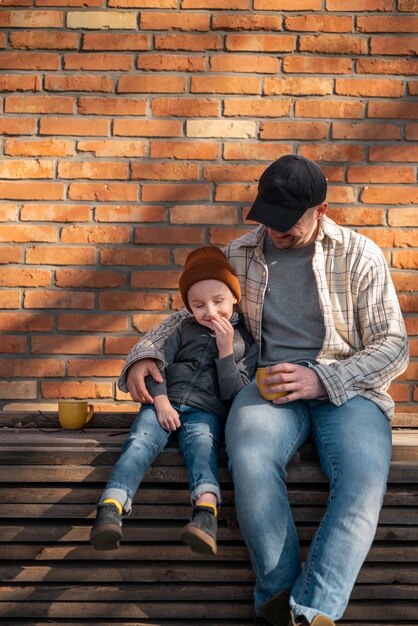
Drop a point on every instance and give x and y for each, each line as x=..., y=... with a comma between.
x=206, y=263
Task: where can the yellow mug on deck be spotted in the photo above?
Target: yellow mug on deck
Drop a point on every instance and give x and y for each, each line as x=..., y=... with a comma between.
x=260, y=374
x=74, y=414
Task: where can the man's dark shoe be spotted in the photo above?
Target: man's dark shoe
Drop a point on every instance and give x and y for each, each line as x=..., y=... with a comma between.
x=277, y=610
x=200, y=532
x=107, y=528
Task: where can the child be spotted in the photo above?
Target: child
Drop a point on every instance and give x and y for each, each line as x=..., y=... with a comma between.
x=208, y=359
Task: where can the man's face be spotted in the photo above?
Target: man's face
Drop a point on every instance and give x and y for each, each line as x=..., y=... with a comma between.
x=302, y=233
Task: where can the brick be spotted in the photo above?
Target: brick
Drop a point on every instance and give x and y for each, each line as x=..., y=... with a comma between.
x=70, y=389
x=222, y=236
x=394, y=45
x=408, y=5
x=369, y=87
x=112, y=106
x=358, y=5
x=114, y=147
x=50, y=299
x=75, y=126
x=144, y=4
x=171, y=63
x=60, y=255
x=26, y=168
x=333, y=44
x=299, y=64
x=8, y=212
x=98, y=61
x=164, y=171
x=413, y=88
x=26, y=322
x=260, y=43
x=380, y=174
x=203, y=214
x=25, y=277
x=411, y=132
x=397, y=110
x=293, y=130
x=13, y=344
x=29, y=61
x=31, y=191
x=185, y=107
x=10, y=299
x=151, y=84
x=109, y=170
x=177, y=235
x=175, y=192
x=11, y=254
x=386, y=24
x=387, y=66
x=83, y=82
x=257, y=151
x=95, y=367
x=96, y=20
x=394, y=154
x=225, y=84
x=175, y=20
x=72, y=3
x=405, y=259
x=329, y=108
x=129, y=213
x=381, y=236
x=403, y=217
x=319, y=23
x=123, y=345
x=228, y=5
x=18, y=390
x=103, y=192
x=235, y=193
x=287, y=5
x=365, y=130
x=232, y=172
x=298, y=86
x=409, y=303
x=55, y=212
x=220, y=128
x=129, y=301
x=267, y=107
x=66, y=344
x=116, y=41
x=405, y=238
x=357, y=216
x=399, y=393
x=333, y=152
x=155, y=279
x=145, y=322
x=390, y=195
x=235, y=21
x=95, y=234
x=193, y=43
x=37, y=368
x=21, y=82
x=94, y=322
x=205, y=151
x=135, y=256
x=341, y=195
x=23, y=233
x=89, y=279
x=32, y=19
x=147, y=128
x=43, y=147
x=59, y=40
x=244, y=63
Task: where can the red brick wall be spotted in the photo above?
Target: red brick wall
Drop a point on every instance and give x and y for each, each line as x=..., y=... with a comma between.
x=134, y=130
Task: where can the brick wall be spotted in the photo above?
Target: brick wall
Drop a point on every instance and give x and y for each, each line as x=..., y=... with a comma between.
x=135, y=130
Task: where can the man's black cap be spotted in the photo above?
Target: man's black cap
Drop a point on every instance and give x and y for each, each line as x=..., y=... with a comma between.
x=287, y=188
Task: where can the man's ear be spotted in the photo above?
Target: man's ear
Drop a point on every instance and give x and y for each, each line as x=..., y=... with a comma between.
x=321, y=209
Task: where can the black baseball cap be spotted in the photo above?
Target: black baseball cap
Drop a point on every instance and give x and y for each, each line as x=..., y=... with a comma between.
x=287, y=188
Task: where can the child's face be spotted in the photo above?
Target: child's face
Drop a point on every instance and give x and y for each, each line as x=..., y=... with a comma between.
x=210, y=298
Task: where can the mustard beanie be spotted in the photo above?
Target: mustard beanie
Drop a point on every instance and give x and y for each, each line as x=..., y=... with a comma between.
x=207, y=263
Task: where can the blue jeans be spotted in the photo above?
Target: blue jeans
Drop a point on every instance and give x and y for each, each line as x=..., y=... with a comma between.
x=198, y=438
x=354, y=446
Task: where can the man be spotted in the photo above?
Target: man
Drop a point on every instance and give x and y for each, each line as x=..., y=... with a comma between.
x=319, y=300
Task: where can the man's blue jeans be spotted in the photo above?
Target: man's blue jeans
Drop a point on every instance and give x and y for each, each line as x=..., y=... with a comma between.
x=198, y=439
x=354, y=446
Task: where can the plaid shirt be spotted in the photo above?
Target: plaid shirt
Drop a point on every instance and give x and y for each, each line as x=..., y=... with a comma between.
x=365, y=345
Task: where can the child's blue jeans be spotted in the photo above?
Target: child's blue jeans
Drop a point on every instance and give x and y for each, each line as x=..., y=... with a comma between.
x=198, y=439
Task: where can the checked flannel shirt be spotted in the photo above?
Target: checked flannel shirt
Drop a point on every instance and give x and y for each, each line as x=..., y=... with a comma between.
x=365, y=345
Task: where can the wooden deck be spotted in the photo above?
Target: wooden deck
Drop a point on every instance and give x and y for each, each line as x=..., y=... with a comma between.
x=51, y=480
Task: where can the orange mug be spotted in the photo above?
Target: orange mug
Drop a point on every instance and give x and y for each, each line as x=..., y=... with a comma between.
x=260, y=374
x=74, y=414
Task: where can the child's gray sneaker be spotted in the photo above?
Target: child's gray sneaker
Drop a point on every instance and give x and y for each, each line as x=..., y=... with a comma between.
x=107, y=528
x=200, y=532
